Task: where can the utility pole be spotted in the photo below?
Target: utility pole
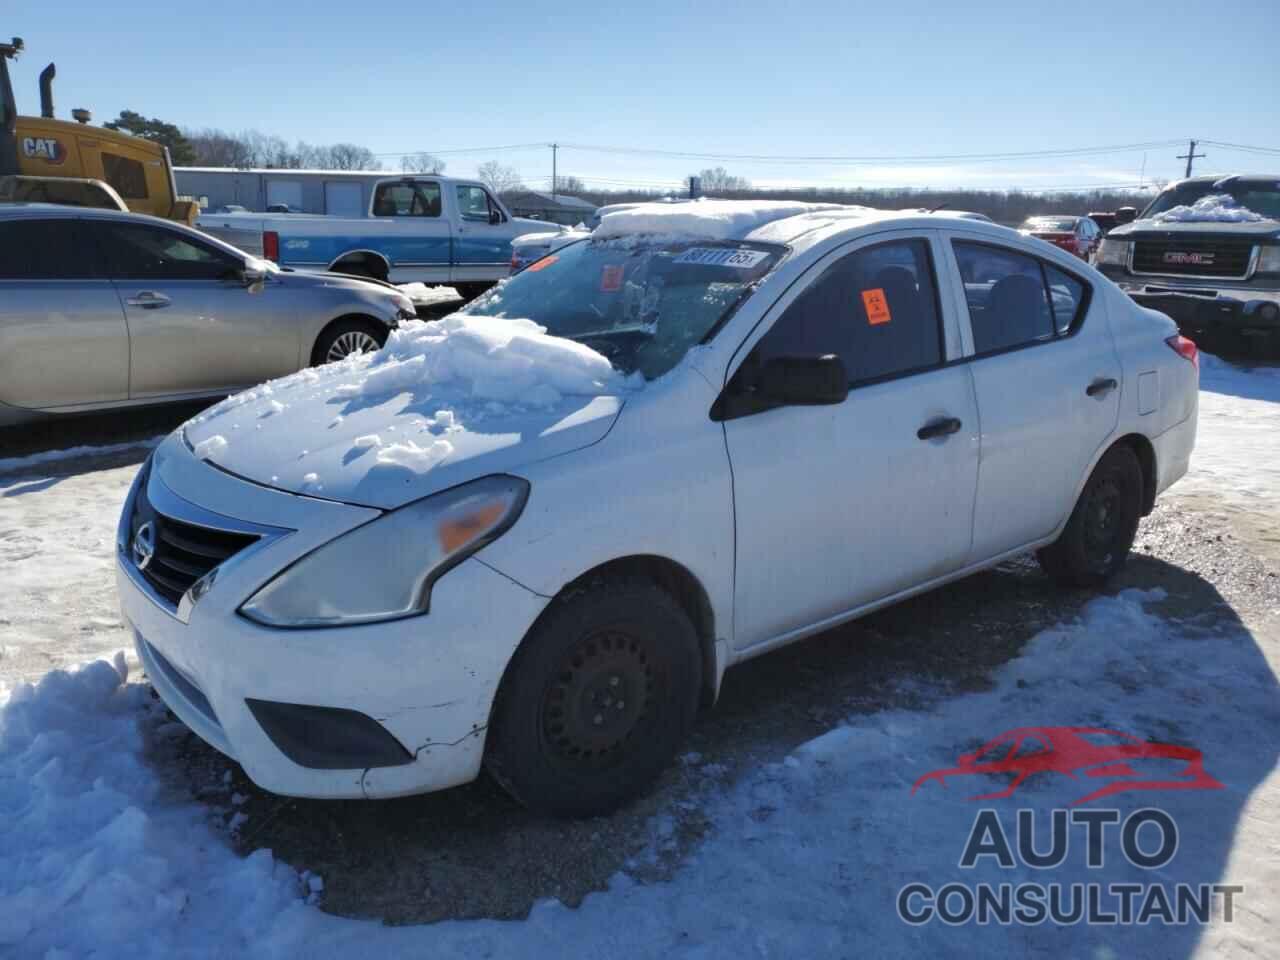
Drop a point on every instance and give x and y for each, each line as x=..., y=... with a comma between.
x=555, y=147
x=1189, y=156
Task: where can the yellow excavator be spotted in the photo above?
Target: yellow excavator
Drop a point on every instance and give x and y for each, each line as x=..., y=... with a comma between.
x=69, y=161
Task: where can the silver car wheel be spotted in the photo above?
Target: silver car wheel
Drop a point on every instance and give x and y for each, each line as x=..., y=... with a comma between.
x=353, y=341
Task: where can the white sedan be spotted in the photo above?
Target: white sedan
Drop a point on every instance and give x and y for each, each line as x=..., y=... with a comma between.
x=533, y=535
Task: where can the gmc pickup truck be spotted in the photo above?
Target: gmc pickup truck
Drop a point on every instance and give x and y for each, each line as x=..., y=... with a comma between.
x=429, y=229
x=1206, y=251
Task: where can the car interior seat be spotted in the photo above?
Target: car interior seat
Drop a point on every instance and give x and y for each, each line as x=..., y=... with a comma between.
x=1016, y=312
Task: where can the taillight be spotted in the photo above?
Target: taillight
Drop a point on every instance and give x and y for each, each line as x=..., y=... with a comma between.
x=1185, y=348
x=271, y=245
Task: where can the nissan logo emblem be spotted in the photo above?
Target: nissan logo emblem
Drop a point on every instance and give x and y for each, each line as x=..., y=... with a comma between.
x=144, y=545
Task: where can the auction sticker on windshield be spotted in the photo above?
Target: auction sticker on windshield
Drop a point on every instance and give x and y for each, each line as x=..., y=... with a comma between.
x=722, y=257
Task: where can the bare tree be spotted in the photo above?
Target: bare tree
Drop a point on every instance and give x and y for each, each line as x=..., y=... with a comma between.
x=720, y=180
x=498, y=178
x=214, y=148
x=573, y=186
x=351, y=156
x=422, y=163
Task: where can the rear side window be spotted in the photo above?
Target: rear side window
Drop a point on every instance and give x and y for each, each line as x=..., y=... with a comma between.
x=126, y=175
x=46, y=250
x=407, y=200
x=1066, y=293
x=876, y=309
x=137, y=252
x=1016, y=299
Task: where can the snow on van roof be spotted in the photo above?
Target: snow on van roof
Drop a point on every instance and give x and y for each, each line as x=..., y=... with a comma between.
x=705, y=219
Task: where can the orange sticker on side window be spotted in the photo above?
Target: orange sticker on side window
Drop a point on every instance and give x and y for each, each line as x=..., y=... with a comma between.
x=877, y=306
x=611, y=277
x=543, y=263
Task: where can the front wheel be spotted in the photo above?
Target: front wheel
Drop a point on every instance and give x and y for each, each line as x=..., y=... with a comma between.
x=1096, y=540
x=596, y=701
x=349, y=335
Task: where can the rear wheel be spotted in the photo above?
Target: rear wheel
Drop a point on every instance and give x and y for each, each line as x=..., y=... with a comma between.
x=596, y=701
x=347, y=336
x=1096, y=540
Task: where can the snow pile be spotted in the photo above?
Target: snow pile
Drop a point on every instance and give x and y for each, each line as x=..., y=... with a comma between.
x=94, y=856
x=1215, y=208
x=210, y=447
x=704, y=219
x=805, y=857
x=14, y=464
x=490, y=358
x=424, y=296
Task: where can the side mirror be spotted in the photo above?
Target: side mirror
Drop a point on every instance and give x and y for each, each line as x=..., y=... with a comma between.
x=804, y=380
x=252, y=276
x=495, y=217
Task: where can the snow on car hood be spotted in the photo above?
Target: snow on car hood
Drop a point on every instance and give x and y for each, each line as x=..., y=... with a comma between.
x=443, y=402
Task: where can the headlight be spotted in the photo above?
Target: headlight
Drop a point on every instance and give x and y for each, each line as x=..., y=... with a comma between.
x=384, y=570
x=1269, y=259
x=1114, y=252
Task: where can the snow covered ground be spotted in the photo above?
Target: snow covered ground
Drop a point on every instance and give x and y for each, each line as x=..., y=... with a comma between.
x=805, y=857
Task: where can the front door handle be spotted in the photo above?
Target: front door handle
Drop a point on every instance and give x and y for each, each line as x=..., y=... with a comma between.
x=1099, y=387
x=149, y=300
x=939, y=428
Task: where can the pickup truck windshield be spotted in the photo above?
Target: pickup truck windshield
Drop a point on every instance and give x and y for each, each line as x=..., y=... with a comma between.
x=1262, y=199
x=642, y=303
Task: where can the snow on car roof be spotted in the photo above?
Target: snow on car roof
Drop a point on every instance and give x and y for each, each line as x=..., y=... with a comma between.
x=707, y=219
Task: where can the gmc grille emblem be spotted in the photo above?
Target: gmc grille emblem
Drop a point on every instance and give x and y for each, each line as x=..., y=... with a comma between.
x=1191, y=258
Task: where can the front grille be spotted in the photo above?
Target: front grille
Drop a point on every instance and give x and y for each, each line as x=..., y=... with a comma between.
x=1193, y=258
x=183, y=552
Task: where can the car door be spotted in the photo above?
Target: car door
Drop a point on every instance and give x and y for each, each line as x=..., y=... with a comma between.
x=841, y=505
x=63, y=339
x=483, y=243
x=1048, y=384
x=194, y=325
x=410, y=229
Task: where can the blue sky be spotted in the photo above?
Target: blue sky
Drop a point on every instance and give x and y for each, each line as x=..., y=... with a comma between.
x=829, y=78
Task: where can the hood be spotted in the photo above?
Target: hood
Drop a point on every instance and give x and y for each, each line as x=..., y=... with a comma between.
x=443, y=403
x=1169, y=229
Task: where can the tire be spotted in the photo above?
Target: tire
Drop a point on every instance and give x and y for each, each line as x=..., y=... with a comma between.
x=342, y=337
x=469, y=291
x=1096, y=540
x=596, y=700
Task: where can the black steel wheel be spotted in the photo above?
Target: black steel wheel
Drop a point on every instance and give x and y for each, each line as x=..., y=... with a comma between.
x=1097, y=539
x=596, y=700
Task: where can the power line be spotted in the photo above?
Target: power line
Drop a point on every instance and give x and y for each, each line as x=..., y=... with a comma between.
x=886, y=158
x=1247, y=148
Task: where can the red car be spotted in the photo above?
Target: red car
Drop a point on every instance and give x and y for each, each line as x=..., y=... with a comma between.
x=1078, y=235
x=1127, y=762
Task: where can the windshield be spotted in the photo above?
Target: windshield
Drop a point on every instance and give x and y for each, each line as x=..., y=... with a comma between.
x=641, y=302
x=1260, y=198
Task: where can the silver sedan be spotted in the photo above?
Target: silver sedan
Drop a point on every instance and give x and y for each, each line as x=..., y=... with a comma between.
x=100, y=309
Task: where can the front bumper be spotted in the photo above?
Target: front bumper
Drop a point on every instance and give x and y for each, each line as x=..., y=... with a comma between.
x=426, y=682
x=1210, y=309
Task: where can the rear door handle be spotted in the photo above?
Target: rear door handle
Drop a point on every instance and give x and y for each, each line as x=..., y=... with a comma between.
x=149, y=299
x=939, y=428
x=1099, y=387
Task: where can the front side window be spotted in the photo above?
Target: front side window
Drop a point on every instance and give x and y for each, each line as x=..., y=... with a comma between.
x=474, y=203
x=875, y=309
x=136, y=252
x=410, y=199
x=126, y=175
x=641, y=302
x=46, y=250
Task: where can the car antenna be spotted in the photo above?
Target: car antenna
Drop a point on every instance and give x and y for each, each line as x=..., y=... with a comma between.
x=939, y=207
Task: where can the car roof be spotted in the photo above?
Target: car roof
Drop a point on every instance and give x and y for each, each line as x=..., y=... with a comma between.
x=47, y=211
x=1248, y=179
